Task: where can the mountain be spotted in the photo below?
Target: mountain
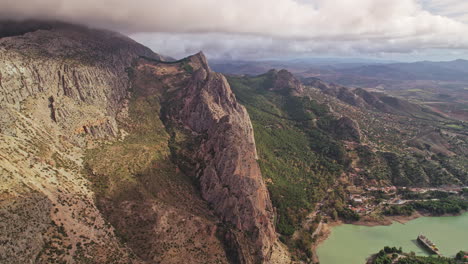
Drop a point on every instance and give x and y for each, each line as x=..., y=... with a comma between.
x=440, y=86
x=335, y=68
x=111, y=154
x=317, y=139
x=424, y=70
x=298, y=65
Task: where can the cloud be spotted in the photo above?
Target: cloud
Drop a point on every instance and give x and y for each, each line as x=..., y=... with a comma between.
x=241, y=47
x=266, y=27
x=455, y=9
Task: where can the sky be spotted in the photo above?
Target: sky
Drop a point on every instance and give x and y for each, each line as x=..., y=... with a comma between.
x=405, y=30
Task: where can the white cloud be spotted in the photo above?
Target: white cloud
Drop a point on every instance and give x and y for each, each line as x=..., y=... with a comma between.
x=454, y=9
x=234, y=46
x=286, y=26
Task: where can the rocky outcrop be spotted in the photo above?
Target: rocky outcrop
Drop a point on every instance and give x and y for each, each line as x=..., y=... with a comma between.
x=285, y=81
x=66, y=89
x=60, y=90
x=340, y=92
x=372, y=100
x=67, y=67
x=225, y=164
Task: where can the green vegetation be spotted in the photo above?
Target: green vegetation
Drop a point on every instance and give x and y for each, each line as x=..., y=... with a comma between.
x=434, y=207
x=120, y=166
x=348, y=214
x=436, y=194
x=383, y=257
x=461, y=255
x=187, y=67
x=406, y=209
x=304, y=245
x=455, y=126
x=443, y=206
x=426, y=260
x=301, y=155
x=393, y=255
x=464, y=192
x=298, y=157
x=140, y=164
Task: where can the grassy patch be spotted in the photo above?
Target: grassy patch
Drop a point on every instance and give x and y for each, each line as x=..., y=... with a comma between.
x=139, y=162
x=454, y=126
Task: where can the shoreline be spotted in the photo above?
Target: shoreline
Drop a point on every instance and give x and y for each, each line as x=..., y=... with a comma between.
x=369, y=221
x=388, y=220
x=322, y=236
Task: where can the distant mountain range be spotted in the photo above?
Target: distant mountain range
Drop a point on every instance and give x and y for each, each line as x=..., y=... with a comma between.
x=423, y=70
x=440, y=85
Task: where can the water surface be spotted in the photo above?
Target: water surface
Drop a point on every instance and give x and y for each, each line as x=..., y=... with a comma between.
x=352, y=244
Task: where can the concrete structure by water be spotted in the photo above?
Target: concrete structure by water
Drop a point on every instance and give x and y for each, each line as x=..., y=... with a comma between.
x=427, y=244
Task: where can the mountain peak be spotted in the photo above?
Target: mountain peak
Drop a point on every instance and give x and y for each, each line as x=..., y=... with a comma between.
x=199, y=60
x=283, y=80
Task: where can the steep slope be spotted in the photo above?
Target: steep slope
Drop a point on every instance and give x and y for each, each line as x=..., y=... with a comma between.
x=223, y=154
x=298, y=161
x=155, y=208
x=60, y=90
x=94, y=151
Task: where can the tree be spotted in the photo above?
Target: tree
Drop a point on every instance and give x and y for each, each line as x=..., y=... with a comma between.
x=334, y=214
x=460, y=255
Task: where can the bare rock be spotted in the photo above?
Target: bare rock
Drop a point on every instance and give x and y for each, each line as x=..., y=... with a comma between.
x=225, y=162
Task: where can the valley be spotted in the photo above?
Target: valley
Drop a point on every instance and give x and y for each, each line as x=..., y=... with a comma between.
x=363, y=143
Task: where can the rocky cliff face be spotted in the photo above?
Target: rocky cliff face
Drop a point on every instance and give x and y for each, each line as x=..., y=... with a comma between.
x=60, y=89
x=231, y=180
x=88, y=117
x=224, y=156
x=66, y=68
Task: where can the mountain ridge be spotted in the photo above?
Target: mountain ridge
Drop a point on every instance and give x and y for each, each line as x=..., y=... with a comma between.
x=83, y=116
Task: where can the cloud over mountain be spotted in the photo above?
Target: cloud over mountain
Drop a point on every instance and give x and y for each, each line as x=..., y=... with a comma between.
x=360, y=26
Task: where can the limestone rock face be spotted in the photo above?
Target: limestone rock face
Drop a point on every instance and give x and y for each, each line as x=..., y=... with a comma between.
x=67, y=91
x=61, y=87
x=66, y=68
x=84, y=64
x=229, y=176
